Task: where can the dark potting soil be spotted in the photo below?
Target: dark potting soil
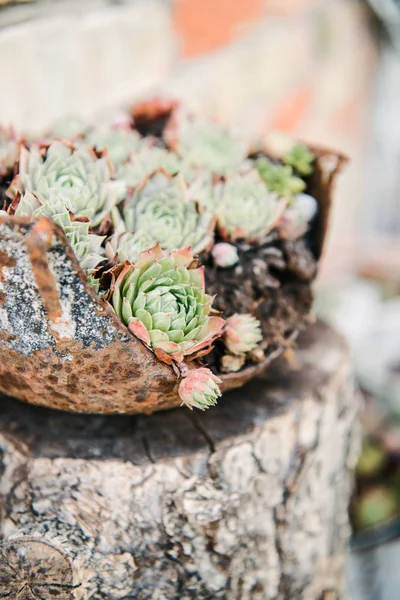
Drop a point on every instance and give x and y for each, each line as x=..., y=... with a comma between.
x=273, y=282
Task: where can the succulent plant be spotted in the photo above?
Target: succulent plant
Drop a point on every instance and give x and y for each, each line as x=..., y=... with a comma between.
x=76, y=176
x=122, y=247
x=68, y=127
x=225, y=255
x=297, y=216
x=8, y=149
x=205, y=144
x=279, y=178
x=300, y=158
x=120, y=142
x=145, y=161
x=242, y=333
x=199, y=389
x=162, y=207
x=162, y=301
x=247, y=209
x=86, y=246
x=372, y=460
x=375, y=507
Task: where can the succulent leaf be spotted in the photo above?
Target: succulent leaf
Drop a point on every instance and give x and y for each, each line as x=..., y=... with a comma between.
x=300, y=158
x=74, y=176
x=163, y=208
x=206, y=144
x=242, y=333
x=161, y=299
x=199, y=389
x=8, y=149
x=297, y=216
x=279, y=178
x=247, y=209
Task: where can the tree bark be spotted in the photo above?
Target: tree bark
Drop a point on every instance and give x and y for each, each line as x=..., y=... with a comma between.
x=245, y=501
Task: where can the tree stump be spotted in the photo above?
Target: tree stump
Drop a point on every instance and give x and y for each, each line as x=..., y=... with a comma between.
x=245, y=501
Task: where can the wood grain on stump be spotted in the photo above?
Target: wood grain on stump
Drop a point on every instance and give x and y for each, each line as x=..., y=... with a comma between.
x=245, y=501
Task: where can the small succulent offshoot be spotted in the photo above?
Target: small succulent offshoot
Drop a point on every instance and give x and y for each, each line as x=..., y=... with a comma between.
x=247, y=209
x=145, y=161
x=225, y=255
x=162, y=300
x=199, y=389
x=300, y=158
x=297, y=216
x=163, y=208
x=242, y=333
x=279, y=178
x=76, y=176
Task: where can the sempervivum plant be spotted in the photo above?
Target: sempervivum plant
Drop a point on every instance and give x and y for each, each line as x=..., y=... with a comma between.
x=76, y=176
x=127, y=246
x=86, y=246
x=300, y=158
x=242, y=333
x=206, y=144
x=199, y=389
x=247, y=209
x=8, y=149
x=279, y=178
x=162, y=207
x=144, y=161
x=162, y=300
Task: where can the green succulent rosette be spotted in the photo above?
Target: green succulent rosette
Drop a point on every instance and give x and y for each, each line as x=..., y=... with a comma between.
x=247, y=209
x=242, y=333
x=75, y=176
x=279, y=178
x=86, y=246
x=145, y=161
x=205, y=144
x=199, y=389
x=162, y=300
x=163, y=208
x=300, y=158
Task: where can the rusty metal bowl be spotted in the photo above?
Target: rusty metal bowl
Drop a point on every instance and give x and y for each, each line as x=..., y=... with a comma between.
x=60, y=345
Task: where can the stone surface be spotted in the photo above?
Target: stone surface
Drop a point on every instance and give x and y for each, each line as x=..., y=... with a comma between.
x=248, y=500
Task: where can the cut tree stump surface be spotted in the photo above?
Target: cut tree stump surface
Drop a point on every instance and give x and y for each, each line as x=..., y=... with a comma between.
x=245, y=501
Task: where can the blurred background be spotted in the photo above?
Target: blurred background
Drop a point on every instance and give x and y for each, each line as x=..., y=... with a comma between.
x=326, y=71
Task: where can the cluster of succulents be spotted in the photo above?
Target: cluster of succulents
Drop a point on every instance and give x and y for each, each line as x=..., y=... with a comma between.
x=142, y=211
